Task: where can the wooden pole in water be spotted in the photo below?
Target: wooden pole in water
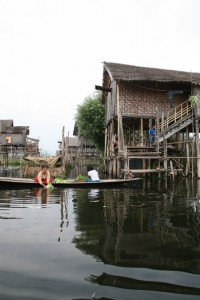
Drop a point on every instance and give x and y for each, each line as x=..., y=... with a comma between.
x=192, y=156
x=63, y=149
x=141, y=132
x=171, y=167
x=106, y=151
x=118, y=125
x=144, y=166
x=188, y=160
x=114, y=168
x=164, y=144
x=197, y=146
x=118, y=168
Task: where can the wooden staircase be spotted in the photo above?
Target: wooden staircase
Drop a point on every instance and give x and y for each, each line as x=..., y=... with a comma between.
x=174, y=121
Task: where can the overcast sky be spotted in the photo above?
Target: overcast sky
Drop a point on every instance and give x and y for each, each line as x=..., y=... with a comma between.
x=51, y=53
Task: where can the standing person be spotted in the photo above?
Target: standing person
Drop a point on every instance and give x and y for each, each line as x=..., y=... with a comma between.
x=93, y=175
x=43, y=176
x=152, y=134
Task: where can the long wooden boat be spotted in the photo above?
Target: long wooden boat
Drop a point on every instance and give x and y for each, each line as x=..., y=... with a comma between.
x=22, y=183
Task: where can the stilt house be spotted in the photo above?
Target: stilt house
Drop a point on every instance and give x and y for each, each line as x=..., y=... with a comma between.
x=14, y=142
x=137, y=97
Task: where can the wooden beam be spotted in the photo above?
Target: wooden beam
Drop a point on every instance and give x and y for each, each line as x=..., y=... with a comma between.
x=130, y=153
x=135, y=171
x=145, y=157
x=102, y=88
x=149, y=170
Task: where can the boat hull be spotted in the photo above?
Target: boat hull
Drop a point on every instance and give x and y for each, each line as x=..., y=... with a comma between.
x=23, y=183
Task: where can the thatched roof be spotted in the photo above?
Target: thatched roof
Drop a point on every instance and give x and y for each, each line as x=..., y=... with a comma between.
x=18, y=129
x=38, y=161
x=120, y=72
x=4, y=124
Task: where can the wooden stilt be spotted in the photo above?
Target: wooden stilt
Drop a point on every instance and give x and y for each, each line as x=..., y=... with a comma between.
x=119, y=168
x=187, y=167
x=171, y=167
x=141, y=133
x=144, y=165
x=197, y=146
x=114, y=171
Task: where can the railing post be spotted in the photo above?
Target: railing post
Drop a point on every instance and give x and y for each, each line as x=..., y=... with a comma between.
x=175, y=115
x=162, y=122
x=181, y=111
x=157, y=130
x=167, y=120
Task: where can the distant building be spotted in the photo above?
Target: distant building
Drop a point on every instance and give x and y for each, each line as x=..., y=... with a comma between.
x=75, y=147
x=14, y=137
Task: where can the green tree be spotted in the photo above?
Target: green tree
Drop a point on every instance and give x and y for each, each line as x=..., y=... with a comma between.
x=89, y=119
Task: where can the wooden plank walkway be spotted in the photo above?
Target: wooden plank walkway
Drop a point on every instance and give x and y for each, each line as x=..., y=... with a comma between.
x=141, y=171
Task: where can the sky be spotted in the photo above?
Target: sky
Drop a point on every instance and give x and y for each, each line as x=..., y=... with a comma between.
x=52, y=53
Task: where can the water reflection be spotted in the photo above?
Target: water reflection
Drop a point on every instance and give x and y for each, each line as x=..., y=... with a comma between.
x=131, y=283
x=93, y=195
x=64, y=212
x=41, y=194
x=141, y=238
x=150, y=227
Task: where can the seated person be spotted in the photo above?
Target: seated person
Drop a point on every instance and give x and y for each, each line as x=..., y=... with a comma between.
x=43, y=176
x=93, y=175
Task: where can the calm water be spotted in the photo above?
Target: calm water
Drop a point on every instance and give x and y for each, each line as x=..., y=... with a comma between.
x=139, y=242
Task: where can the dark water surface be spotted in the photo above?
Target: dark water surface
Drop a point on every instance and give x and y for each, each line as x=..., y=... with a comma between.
x=138, y=242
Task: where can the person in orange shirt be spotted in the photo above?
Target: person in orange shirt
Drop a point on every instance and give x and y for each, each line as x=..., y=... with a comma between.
x=44, y=176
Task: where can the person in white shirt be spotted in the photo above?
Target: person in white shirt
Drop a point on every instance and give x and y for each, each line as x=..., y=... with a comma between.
x=93, y=175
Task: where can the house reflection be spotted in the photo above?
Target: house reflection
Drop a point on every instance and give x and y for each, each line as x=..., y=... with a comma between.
x=135, y=284
x=153, y=227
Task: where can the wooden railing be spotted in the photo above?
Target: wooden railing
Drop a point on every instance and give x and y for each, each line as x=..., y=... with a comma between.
x=173, y=117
